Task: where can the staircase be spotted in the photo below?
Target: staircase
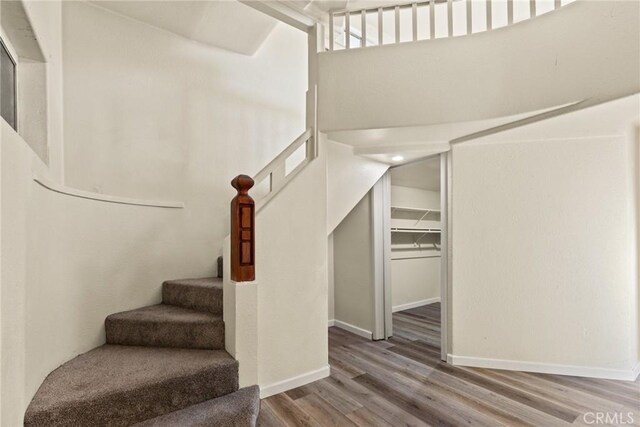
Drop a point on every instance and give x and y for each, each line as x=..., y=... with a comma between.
x=162, y=365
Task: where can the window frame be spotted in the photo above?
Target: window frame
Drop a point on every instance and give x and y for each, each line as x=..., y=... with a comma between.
x=12, y=55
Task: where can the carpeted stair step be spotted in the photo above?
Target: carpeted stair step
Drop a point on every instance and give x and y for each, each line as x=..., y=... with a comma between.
x=118, y=385
x=166, y=326
x=196, y=294
x=239, y=409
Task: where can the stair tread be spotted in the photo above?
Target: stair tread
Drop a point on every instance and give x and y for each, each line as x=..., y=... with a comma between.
x=112, y=379
x=166, y=313
x=203, y=294
x=235, y=409
x=166, y=326
x=205, y=282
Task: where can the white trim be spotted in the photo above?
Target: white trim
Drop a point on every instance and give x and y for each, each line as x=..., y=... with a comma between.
x=546, y=368
x=297, y=381
x=353, y=329
x=635, y=372
x=50, y=185
x=378, y=257
x=415, y=304
x=332, y=322
x=386, y=225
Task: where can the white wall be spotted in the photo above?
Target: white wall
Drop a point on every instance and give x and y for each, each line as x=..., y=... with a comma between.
x=353, y=267
x=486, y=75
x=291, y=271
x=414, y=197
x=415, y=271
x=544, y=240
x=153, y=115
x=415, y=281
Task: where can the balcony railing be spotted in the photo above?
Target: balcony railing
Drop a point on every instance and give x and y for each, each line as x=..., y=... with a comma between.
x=427, y=20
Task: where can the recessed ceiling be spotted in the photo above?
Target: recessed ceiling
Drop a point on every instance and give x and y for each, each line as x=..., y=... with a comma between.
x=229, y=25
x=424, y=174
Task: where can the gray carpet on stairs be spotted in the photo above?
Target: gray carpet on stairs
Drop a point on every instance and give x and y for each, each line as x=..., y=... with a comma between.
x=120, y=385
x=163, y=366
x=166, y=326
x=197, y=294
x=238, y=409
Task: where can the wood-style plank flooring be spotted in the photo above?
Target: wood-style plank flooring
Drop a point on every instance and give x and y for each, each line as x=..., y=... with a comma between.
x=402, y=382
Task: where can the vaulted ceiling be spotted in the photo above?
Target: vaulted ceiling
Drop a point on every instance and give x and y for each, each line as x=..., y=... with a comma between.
x=228, y=25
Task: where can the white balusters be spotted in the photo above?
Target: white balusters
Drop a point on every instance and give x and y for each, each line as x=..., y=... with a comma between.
x=331, y=31
x=380, y=29
x=469, y=18
x=450, y=17
x=363, y=26
x=397, y=25
x=414, y=21
x=347, y=30
x=408, y=14
x=432, y=18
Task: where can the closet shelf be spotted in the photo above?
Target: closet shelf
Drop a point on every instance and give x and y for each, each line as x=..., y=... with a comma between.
x=415, y=230
x=411, y=209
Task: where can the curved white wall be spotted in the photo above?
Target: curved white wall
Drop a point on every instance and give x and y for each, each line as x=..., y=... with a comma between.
x=67, y=263
x=545, y=247
x=585, y=50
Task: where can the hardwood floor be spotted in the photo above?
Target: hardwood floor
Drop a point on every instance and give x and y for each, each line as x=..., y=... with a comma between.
x=402, y=382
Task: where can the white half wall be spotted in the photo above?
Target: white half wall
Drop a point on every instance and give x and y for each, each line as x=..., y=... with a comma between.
x=291, y=275
x=557, y=58
x=545, y=250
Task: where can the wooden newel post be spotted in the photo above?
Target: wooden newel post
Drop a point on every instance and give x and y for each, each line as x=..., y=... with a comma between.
x=243, y=251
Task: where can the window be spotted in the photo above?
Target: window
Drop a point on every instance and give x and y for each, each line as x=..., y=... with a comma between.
x=7, y=87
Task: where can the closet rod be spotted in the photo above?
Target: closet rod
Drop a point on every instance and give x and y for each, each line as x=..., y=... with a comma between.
x=416, y=257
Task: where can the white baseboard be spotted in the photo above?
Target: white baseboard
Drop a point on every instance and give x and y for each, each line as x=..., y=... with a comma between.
x=291, y=383
x=332, y=322
x=636, y=372
x=415, y=304
x=353, y=329
x=546, y=368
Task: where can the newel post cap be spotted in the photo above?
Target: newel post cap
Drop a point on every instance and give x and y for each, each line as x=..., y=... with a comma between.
x=242, y=183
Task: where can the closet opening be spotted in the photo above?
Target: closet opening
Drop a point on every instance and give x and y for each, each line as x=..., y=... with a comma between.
x=412, y=227
x=388, y=257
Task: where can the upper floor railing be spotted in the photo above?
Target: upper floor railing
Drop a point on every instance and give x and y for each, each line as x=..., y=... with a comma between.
x=431, y=19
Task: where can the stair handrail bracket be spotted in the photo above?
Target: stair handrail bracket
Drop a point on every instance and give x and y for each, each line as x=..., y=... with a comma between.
x=243, y=221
